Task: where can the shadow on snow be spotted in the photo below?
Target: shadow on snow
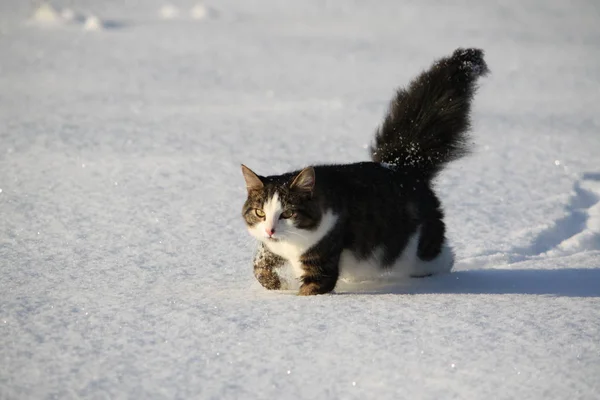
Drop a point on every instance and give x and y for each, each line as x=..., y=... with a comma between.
x=572, y=282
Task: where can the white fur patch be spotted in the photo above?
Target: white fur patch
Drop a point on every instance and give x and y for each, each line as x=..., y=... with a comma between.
x=273, y=210
x=408, y=264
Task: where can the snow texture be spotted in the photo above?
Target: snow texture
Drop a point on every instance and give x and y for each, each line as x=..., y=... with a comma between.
x=126, y=267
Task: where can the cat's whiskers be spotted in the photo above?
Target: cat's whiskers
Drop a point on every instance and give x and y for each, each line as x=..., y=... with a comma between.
x=296, y=233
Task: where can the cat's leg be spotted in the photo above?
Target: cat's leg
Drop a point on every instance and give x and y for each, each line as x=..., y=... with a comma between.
x=432, y=230
x=265, y=263
x=431, y=239
x=320, y=274
x=433, y=252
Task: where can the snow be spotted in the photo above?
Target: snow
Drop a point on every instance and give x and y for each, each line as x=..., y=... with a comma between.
x=200, y=11
x=92, y=23
x=45, y=13
x=125, y=262
x=169, y=11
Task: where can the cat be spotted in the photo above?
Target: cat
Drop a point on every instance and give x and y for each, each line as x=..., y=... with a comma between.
x=330, y=219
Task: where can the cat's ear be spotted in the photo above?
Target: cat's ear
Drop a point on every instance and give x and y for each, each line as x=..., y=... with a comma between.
x=305, y=180
x=253, y=181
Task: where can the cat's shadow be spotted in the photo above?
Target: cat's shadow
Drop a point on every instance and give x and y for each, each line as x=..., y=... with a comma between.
x=571, y=282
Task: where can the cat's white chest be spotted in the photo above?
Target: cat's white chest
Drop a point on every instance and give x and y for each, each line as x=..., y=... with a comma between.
x=291, y=252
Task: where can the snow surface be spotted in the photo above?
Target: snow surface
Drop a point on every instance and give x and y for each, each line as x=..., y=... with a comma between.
x=124, y=262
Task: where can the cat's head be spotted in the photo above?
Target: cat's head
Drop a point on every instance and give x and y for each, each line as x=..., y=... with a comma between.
x=281, y=208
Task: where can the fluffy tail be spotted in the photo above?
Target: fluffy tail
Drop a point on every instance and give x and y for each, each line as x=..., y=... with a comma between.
x=427, y=123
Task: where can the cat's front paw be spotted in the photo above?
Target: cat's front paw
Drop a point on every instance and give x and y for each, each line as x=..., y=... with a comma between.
x=268, y=279
x=311, y=289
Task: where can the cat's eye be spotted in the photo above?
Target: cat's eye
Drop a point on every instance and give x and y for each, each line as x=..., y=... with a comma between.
x=259, y=213
x=287, y=214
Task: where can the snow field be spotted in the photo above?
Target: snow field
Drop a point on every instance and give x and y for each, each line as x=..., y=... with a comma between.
x=125, y=265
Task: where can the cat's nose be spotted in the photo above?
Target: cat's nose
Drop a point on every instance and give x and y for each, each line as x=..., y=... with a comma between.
x=270, y=231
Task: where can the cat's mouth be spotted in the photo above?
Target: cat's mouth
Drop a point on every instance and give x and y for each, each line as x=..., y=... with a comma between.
x=272, y=239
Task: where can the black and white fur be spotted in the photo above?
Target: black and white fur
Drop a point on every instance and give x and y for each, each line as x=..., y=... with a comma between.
x=332, y=221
